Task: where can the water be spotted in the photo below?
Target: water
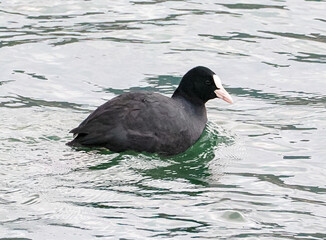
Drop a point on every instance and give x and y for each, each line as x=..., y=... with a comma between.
x=258, y=172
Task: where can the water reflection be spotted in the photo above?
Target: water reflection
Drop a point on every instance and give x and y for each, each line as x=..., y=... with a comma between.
x=150, y=2
x=236, y=36
x=33, y=75
x=27, y=102
x=165, y=84
x=193, y=165
x=318, y=101
x=278, y=180
x=251, y=6
x=61, y=34
x=59, y=16
x=195, y=11
x=311, y=37
x=273, y=187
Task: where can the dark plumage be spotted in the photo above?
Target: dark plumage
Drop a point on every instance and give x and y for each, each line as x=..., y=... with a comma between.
x=151, y=122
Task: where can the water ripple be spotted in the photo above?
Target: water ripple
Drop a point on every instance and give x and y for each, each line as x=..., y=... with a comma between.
x=27, y=102
x=277, y=180
x=252, y=6
x=311, y=37
x=257, y=172
x=236, y=36
x=309, y=98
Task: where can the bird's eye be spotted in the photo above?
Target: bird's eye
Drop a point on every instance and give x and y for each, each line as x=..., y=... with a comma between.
x=208, y=82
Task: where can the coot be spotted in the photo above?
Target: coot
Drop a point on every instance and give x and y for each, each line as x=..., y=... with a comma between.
x=151, y=122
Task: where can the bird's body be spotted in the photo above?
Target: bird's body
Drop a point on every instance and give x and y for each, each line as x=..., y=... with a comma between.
x=147, y=122
x=143, y=121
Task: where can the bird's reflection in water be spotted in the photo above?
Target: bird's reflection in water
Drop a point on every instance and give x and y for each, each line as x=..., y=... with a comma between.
x=192, y=165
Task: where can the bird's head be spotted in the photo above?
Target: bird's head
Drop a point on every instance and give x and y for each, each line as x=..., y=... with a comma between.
x=202, y=84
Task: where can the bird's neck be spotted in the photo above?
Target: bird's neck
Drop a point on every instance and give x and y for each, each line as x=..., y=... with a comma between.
x=193, y=105
x=183, y=96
